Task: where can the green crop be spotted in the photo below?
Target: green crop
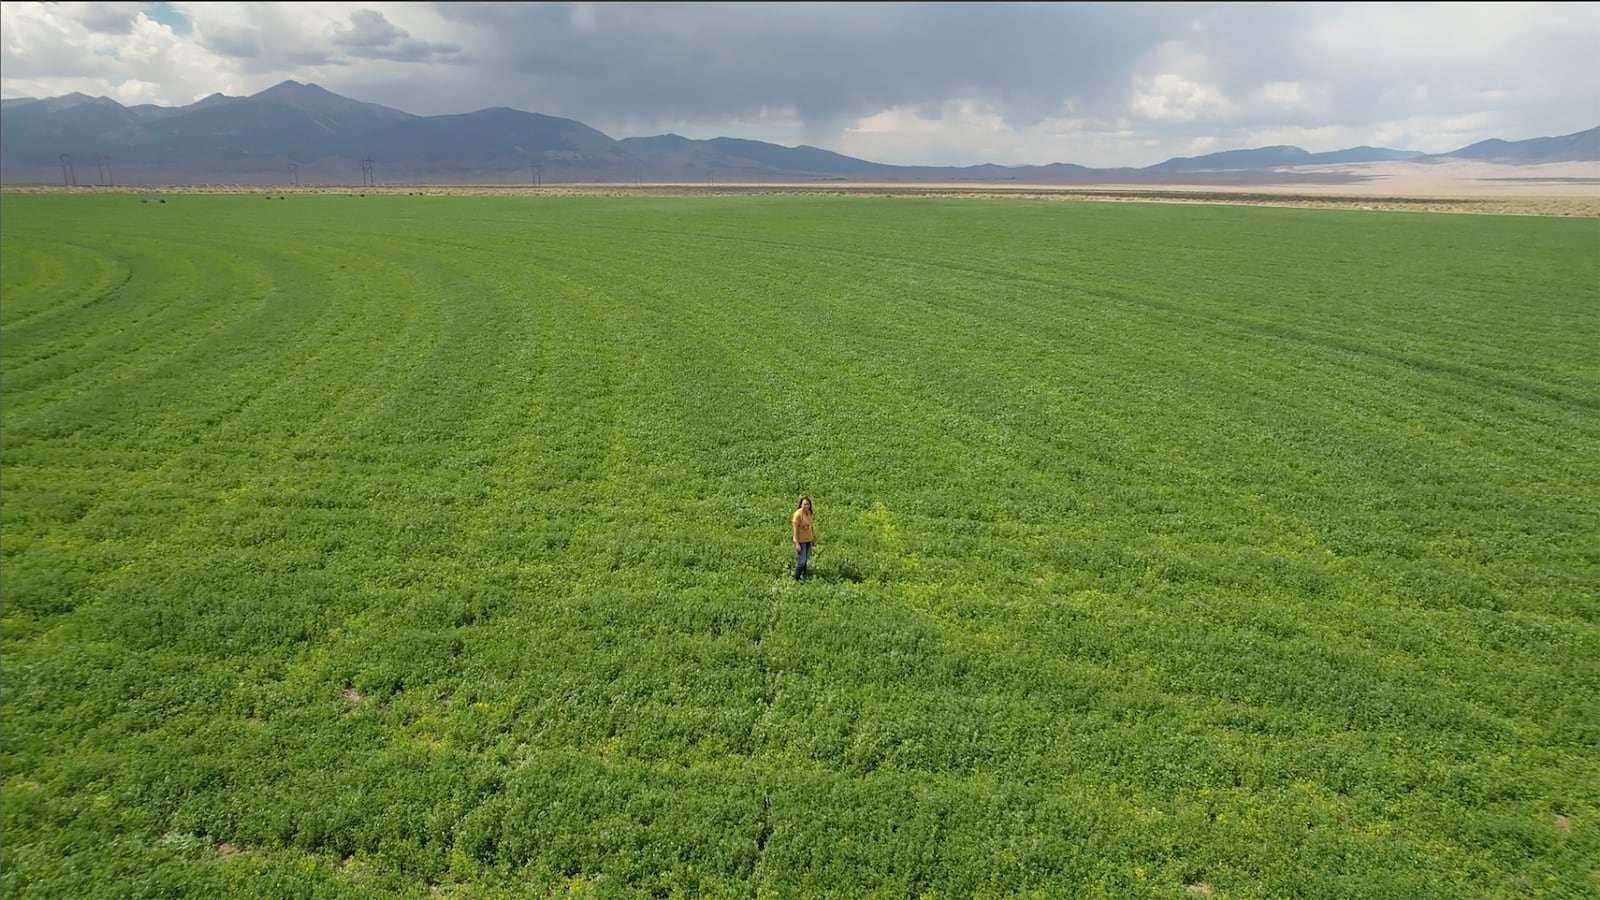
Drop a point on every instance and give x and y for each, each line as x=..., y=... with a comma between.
x=429, y=546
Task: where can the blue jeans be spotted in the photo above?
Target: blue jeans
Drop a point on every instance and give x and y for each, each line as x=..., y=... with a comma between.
x=801, y=560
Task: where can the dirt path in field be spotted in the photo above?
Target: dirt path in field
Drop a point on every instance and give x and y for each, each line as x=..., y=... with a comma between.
x=1555, y=189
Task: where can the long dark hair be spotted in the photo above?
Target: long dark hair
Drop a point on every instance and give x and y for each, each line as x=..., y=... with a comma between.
x=804, y=499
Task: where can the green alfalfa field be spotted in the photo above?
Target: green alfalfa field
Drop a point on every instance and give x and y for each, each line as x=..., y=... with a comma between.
x=404, y=546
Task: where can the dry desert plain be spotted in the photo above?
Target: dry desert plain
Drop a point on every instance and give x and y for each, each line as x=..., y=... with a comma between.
x=1555, y=189
x=1460, y=186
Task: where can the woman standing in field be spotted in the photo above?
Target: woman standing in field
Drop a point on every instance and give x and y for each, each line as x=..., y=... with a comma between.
x=804, y=536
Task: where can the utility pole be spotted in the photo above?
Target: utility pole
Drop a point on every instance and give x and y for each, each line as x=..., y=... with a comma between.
x=69, y=178
x=294, y=174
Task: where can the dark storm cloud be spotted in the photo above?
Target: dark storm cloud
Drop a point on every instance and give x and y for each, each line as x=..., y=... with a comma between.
x=236, y=44
x=829, y=62
x=268, y=46
x=372, y=36
x=108, y=18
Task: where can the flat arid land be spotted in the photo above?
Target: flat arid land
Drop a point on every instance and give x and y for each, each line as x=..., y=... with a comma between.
x=1554, y=189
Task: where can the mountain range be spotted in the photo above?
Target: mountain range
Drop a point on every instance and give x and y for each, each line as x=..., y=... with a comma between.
x=302, y=133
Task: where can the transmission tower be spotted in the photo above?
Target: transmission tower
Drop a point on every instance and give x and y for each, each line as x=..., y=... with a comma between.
x=102, y=163
x=68, y=176
x=294, y=174
x=367, y=180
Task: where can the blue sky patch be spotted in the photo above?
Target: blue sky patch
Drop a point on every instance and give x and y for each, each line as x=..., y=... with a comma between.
x=166, y=15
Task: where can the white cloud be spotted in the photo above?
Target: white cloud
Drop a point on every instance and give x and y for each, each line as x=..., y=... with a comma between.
x=1174, y=98
x=48, y=54
x=1294, y=97
x=921, y=136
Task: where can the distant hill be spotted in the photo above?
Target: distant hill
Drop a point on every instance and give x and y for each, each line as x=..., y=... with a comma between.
x=1581, y=147
x=303, y=132
x=1283, y=156
x=730, y=158
x=500, y=138
x=216, y=137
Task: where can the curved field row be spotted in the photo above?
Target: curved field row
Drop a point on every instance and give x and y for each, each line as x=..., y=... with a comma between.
x=421, y=546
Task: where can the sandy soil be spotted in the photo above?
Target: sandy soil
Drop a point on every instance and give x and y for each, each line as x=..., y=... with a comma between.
x=1560, y=189
x=1458, y=177
x=1557, y=189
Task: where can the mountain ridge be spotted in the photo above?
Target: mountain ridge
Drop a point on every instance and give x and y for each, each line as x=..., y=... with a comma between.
x=302, y=131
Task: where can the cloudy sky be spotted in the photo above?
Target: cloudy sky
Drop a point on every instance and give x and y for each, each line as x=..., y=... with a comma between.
x=905, y=83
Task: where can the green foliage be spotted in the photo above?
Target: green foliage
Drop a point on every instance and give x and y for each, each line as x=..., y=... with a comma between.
x=410, y=546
